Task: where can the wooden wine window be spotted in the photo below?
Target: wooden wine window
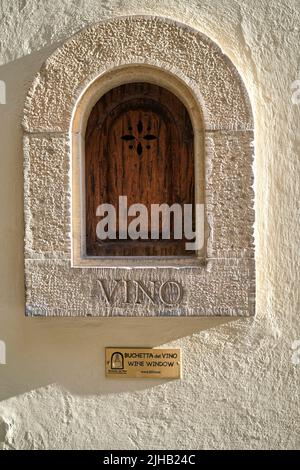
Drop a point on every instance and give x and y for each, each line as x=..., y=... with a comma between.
x=139, y=144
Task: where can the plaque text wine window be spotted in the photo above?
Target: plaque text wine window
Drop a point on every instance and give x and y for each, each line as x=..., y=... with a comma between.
x=153, y=112
x=139, y=145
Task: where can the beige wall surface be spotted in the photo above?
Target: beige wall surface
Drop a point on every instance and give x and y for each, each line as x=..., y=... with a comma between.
x=240, y=387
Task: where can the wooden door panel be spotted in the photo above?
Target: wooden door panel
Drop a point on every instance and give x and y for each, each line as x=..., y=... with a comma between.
x=139, y=144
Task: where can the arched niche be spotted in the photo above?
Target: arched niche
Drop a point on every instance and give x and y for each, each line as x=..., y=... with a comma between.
x=185, y=99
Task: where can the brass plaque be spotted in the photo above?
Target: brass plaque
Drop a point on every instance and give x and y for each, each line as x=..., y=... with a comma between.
x=143, y=363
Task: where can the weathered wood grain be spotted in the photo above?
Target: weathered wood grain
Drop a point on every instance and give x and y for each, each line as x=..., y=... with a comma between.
x=139, y=144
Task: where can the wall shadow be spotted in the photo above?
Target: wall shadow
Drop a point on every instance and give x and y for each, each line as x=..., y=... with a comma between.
x=65, y=351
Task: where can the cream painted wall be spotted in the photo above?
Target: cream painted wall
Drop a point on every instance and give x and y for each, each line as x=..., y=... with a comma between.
x=240, y=387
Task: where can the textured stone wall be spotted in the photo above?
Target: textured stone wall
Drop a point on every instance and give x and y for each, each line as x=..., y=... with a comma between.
x=223, y=280
x=240, y=387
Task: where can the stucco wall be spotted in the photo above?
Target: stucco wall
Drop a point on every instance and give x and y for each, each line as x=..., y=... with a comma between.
x=240, y=387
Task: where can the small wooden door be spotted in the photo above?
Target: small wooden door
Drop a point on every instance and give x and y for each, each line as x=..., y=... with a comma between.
x=139, y=144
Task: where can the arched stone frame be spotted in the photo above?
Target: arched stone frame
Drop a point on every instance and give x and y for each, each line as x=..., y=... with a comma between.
x=114, y=77
x=54, y=117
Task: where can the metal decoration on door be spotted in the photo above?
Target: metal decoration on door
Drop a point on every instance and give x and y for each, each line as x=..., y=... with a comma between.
x=139, y=139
